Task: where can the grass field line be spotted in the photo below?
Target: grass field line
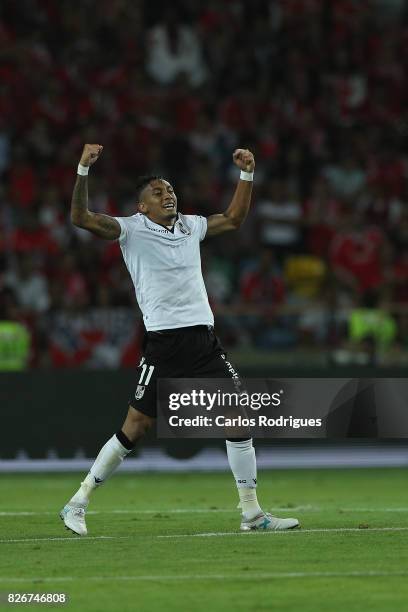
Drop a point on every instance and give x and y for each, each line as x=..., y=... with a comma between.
x=161, y=511
x=298, y=531
x=214, y=534
x=188, y=577
x=63, y=539
x=207, y=510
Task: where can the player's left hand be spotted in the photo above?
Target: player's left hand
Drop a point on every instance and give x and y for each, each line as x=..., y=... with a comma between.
x=244, y=159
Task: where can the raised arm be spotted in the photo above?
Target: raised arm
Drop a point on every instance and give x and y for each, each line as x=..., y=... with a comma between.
x=103, y=226
x=238, y=209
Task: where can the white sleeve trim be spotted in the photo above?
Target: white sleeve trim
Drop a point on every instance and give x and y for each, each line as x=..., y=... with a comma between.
x=123, y=228
x=203, y=227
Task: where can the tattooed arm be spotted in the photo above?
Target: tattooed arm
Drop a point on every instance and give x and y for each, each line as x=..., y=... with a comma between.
x=103, y=226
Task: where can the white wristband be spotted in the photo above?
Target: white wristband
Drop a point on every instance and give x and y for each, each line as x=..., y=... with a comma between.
x=83, y=170
x=246, y=176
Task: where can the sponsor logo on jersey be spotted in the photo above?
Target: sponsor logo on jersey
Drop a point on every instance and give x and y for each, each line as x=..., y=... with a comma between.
x=159, y=231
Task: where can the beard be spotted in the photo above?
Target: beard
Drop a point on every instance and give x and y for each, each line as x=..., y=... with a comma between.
x=171, y=215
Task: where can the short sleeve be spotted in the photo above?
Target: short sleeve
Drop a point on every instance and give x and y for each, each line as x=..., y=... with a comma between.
x=202, y=226
x=123, y=222
x=196, y=224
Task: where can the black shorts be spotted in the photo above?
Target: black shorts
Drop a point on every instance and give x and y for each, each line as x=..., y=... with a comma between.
x=187, y=352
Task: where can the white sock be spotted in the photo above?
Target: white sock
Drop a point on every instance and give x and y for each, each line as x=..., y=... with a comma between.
x=109, y=458
x=242, y=460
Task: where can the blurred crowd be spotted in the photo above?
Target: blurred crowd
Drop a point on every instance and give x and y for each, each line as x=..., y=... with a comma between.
x=317, y=89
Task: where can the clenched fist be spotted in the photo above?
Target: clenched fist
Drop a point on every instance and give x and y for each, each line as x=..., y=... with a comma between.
x=90, y=154
x=244, y=159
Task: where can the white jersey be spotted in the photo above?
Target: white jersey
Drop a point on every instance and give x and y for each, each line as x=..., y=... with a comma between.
x=165, y=267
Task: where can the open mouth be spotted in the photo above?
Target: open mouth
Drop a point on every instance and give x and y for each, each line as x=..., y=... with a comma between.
x=169, y=206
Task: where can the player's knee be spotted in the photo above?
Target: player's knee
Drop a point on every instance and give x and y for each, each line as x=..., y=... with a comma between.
x=136, y=424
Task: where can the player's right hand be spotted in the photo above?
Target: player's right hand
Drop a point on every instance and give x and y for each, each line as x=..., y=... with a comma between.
x=90, y=154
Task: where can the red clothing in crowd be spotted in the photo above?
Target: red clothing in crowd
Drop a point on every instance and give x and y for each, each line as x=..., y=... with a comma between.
x=359, y=254
x=256, y=286
x=29, y=241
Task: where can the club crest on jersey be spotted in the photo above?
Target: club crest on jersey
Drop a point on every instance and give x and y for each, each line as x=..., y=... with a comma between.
x=140, y=389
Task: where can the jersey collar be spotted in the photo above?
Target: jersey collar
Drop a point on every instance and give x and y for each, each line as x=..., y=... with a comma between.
x=178, y=222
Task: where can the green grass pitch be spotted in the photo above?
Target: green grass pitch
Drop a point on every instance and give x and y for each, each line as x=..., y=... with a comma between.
x=146, y=550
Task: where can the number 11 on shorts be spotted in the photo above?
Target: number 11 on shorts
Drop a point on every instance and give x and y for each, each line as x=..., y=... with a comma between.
x=149, y=370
